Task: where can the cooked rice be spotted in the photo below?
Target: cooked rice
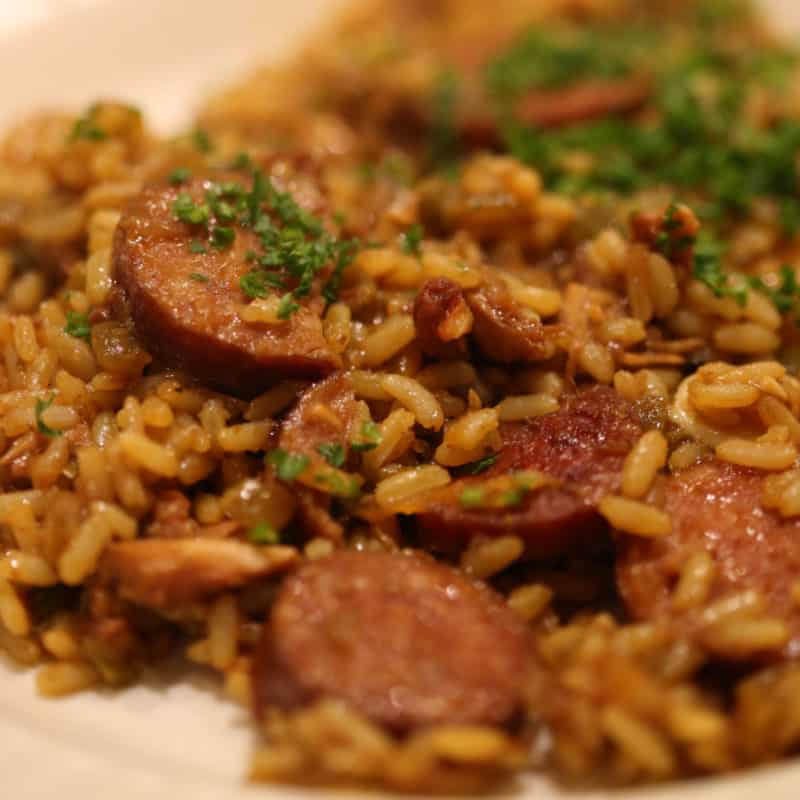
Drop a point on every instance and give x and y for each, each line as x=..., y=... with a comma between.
x=102, y=444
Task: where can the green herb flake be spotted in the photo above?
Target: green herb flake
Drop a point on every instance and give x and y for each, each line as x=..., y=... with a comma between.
x=263, y=533
x=222, y=238
x=370, y=438
x=444, y=145
x=514, y=497
x=87, y=129
x=202, y=141
x=472, y=497
x=411, y=240
x=199, y=277
x=480, y=466
x=287, y=306
x=180, y=175
x=288, y=466
x=78, y=325
x=242, y=161
x=46, y=430
x=339, y=485
x=186, y=210
x=333, y=453
x=197, y=247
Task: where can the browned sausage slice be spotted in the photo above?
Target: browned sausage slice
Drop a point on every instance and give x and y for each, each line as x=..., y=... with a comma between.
x=324, y=421
x=555, y=108
x=504, y=331
x=186, y=306
x=404, y=640
x=442, y=318
x=715, y=507
x=582, y=445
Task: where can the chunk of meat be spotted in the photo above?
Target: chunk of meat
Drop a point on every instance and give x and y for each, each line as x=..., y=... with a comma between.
x=672, y=231
x=504, y=331
x=169, y=573
x=555, y=108
x=404, y=640
x=442, y=318
x=327, y=413
x=715, y=507
x=582, y=446
x=186, y=305
x=172, y=519
x=326, y=416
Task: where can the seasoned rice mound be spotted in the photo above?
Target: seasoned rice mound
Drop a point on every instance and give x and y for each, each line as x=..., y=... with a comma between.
x=437, y=390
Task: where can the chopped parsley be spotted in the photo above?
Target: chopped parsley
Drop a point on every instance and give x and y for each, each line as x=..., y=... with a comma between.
x=46, y=430
x=295, y=247
x=180, y=175
x=411, y=240
x=480, y=466
x=370, y=438
x=258, y=283
x=549, y=59
x=786, y=296
x=242, y=161
x=670, y=242
x=222, y=237
x=186, y=210
x=287, y=306
x=700, y=144
x=333, y=453
x=708, y=268
x=86, y=127
x=444, y=139
x=338, y=484
x=263, y=533
x=472, y=497
x=78, y=325
x=199, y=277
x=202, y=141
x=197, y=247
x=288, y=466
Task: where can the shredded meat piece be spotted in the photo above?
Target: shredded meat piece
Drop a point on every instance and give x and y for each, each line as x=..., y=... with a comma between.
x=165, y=574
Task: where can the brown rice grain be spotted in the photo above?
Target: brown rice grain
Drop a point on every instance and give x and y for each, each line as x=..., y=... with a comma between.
x=643, y=463
x=634, y=517
x=413, y=396
x=521, y=407
x=64, y=678
x=758, y=455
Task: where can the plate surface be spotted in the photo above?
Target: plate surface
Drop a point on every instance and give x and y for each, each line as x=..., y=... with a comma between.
x=174, y=736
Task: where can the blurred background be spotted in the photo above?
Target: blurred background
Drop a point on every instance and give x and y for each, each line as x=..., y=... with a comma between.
x=161, y=55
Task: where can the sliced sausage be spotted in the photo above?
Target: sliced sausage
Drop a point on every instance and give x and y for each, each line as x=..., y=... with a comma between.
x=186, y=305
x=169, y=573
x=327, y=413
x=715, y=507
x=326, y=417
x=442, y=318
x=404, y=640
x=582, y=446
x=504, y=331
x=555, y=108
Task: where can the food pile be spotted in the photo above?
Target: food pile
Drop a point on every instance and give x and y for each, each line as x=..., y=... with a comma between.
x=438, y=390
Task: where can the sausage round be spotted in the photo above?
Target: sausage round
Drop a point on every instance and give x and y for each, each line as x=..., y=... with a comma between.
x=582, y=445
x=185, y=305
x=715, y=507
x=402, y=639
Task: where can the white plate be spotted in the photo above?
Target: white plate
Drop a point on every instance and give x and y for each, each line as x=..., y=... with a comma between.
x=175, y=736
